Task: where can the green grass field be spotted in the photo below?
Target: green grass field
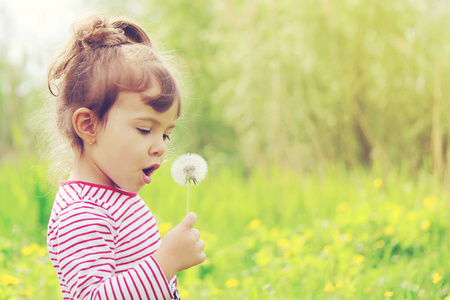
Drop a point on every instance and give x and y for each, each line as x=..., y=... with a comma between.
x=269, y=235
x=309, y=85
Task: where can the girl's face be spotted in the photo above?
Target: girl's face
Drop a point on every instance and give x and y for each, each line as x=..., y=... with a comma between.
x=132, y=143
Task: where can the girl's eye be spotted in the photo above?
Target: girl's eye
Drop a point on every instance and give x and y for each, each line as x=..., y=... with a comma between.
x=166, y=137
x=144, y=131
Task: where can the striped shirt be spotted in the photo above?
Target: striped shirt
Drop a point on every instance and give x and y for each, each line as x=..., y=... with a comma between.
x=100, y=241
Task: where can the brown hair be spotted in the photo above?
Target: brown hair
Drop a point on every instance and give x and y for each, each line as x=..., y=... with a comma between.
x=101, y=59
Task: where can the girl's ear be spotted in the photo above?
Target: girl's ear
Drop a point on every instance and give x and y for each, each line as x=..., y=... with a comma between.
x=85, y=124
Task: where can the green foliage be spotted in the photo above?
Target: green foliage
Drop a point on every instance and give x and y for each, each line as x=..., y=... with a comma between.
x=295, y=83
x=34, y=201
x=269, y=235
x=308, y=83
x=27, y=272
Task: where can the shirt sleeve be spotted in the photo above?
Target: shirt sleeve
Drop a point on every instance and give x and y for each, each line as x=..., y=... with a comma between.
x=82, y=245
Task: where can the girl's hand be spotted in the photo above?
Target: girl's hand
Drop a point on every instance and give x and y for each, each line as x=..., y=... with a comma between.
x=181, y=248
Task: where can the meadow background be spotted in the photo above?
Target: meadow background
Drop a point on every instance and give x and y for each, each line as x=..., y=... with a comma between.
x=325, y=127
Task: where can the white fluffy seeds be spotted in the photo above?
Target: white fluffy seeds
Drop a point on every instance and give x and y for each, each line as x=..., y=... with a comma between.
x=189, y=169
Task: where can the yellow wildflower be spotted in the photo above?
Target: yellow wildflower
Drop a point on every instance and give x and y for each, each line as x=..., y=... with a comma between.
x=165, y=227
x=326, y=249
x=263, y=257
x=283, y=243
x=34, y=249
x=359, y=259
x=287, y=254
x=336, y=234
x=309, y=234
x=339, y=284
x=217, y=292
x=388, y=294
x=6, y=280
x=397, y=213
x=389, y=230
x=343, y=208
x=254, y=224
x=429, y=202
x=412, y=216
x=436, y=278
x=27, y=250
x=380, y=244
x=232, y=282
x=184, y=294
x=273, y=233
x=348, y=237
x=329, y=287
x=425, y=225
x=378, y=182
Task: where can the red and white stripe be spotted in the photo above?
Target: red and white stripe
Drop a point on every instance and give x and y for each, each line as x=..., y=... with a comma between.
x=100, y=241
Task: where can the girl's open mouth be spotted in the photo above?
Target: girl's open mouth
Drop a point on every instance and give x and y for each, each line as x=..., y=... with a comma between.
x=147, y=173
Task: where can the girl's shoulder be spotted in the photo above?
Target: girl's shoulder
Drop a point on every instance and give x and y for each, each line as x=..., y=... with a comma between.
x=75, y=194
x=88, y=189
x=80, y=205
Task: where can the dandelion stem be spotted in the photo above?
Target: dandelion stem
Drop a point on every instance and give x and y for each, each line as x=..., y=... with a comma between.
x=187, y=202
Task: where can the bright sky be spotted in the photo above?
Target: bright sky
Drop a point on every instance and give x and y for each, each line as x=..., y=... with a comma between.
x=36, y=28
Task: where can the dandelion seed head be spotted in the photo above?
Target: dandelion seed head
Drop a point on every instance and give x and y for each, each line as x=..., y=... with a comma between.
x=189, y=169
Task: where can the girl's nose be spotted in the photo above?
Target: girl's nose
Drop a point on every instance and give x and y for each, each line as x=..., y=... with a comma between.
x=158, y=147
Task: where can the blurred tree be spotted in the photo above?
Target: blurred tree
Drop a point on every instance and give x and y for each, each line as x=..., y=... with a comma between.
x=18, y=98
x=302, y=84
x=12, y=108
x=335, y=80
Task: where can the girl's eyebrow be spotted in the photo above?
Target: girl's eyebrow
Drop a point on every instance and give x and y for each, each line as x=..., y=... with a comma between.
x=154, y=121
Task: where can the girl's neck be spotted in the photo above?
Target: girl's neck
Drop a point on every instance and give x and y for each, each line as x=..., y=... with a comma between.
x=84, y=169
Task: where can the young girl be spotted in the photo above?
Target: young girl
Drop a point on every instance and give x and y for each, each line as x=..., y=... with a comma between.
x=117, y=104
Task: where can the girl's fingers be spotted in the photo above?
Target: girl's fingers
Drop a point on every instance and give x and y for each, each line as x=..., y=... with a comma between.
x=195, y=233
x=201, y=245
x=202, y=257
x=189, y=220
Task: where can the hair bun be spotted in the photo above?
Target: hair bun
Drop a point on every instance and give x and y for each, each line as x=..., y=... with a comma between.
x=95, y=31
